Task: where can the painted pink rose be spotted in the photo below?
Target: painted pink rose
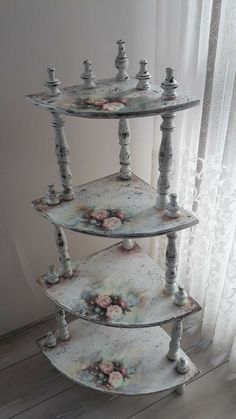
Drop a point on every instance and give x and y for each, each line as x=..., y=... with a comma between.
x=115, y=379
x=99, y=102
x=114, y=312
x=99, y=214
x=103, y=301
x=123, y=371
x=112, y=106
x=121, y=215
x=111, y=223
x=123, y=304
x=106, y=367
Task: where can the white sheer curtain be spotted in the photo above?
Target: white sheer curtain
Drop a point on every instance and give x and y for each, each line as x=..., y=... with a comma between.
x=200, y=42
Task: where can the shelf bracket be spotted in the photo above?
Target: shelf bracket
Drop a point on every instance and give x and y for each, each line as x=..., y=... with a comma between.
x=125, y=155
x=63, y=157
x=176, y=334
x=62, y=248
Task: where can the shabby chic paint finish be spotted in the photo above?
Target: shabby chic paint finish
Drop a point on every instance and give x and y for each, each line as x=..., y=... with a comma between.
x=117, y=287
x=113, y=207
x=118, y=361
x=111, y=98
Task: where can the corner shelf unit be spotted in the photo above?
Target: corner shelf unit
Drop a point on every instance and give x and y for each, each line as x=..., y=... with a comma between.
x=120, y=286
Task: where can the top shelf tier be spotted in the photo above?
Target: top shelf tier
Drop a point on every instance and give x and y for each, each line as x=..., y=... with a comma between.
x=111, y=99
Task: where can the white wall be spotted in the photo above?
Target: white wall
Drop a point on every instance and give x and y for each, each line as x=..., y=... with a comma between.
x=35, y=34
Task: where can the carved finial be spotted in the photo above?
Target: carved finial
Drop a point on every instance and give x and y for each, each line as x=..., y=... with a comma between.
x=172, y=209
x=52, y=275
x=51, y=340
x=169, y=85
x=62, y=327
x=53, y=82
x=121, y=62
x=180, y=296
x=182, y=365
x=87, y=76
x=52, y=197
x=143, y=76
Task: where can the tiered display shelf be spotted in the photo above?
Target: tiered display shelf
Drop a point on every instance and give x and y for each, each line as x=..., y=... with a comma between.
x=120, y=286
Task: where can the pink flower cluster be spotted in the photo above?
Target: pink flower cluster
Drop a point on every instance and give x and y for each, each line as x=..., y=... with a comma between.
x=109, y=374
x=105, y=104
x=106, y=219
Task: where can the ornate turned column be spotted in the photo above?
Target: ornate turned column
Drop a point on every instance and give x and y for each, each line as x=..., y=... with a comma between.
x=62, y=248
x=171, y=264
x=125, y=155
x=176, y=334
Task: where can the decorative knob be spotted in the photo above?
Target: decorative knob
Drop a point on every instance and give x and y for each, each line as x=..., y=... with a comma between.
x=53, y=82
x=52, y=275
x=52, y=197
x=182, y=365
x=172, y=209
x=143, y=76
x=87, y=76
x=51, y=340
x=169, y=85
x=180, y=296
x=121, y=62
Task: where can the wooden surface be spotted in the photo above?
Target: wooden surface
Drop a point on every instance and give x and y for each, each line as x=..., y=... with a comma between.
x=129, y=279
x=31, y=388
x=111, y=99
x=124, y=361
x=126, y=209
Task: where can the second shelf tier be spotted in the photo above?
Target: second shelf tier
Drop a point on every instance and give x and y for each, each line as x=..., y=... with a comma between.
x=116, y=208
x=117, y=287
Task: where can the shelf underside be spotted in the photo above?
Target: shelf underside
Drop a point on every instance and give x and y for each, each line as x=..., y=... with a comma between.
x=117, y=287
x=111, y=99
x=117, y=361
x=116, y=208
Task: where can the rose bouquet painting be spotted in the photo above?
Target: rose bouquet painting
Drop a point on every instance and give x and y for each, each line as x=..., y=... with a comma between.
x=109, y=375
x=104, y=104
x=105, y=219
x=105, y=307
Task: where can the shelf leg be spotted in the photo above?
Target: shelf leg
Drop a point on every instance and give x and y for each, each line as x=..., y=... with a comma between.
x=62, y=248
x=63, y=157
x=180, y=389
x=128, y=244
x=176, y=334
x=165, y=160
x=171, y=264
x=125, y=155
x=62, y=326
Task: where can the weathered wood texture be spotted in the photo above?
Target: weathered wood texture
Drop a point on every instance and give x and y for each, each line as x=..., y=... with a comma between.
x=112, y=207
x=112, y=99
x=117, y=287
x=121, y=362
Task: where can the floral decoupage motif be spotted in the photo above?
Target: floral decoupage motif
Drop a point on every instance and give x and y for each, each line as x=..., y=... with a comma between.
x=104, y=104
x=105, y=219
x=104, y=307
x=107, y=374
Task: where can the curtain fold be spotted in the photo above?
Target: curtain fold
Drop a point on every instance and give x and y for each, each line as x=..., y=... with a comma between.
x=200, y=43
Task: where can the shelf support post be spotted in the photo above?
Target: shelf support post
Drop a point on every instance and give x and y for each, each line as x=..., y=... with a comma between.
x=62, y=326
x=62, y=248
x=165, y=160
x=176, y=334
x=125, y=155
x=63, y=157
x=171, y=264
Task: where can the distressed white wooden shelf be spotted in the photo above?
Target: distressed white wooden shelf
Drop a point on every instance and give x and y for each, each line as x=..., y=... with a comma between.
x=118, y=361
x=112, y=207
x=111, y=99
x=117, y=287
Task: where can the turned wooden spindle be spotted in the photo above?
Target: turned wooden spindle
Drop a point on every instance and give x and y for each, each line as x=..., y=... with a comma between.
x=143, y=76
x=121, y=62
x=62, y=248
x=87, y=76
x=172, y=209
x=176, y=334
x=169, y=85
x=62, y=326
x=171, y=264
x=53, y=82
x=165, y=160
x=128, y=244
x=63, y=157
x=125, y=155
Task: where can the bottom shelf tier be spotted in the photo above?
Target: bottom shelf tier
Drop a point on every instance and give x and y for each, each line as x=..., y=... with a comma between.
x=121, y=361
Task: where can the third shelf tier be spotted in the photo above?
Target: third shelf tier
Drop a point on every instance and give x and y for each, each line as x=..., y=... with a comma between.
x=116, y=208
x=117, y=287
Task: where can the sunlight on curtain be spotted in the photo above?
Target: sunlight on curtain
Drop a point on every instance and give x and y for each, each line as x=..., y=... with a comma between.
x=200, y=43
